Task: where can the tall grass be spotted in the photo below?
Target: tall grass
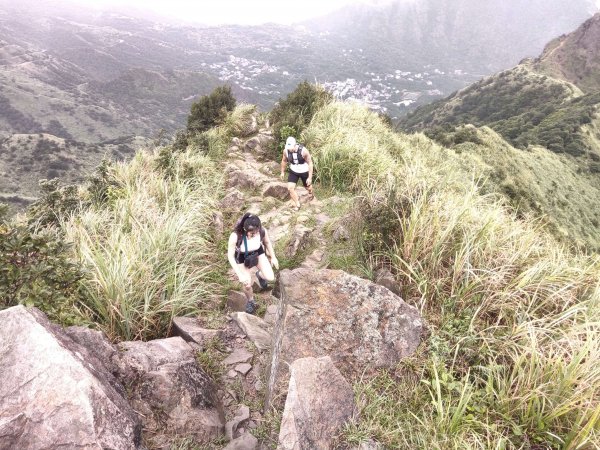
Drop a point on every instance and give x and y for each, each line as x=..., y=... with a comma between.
x=148, y=248
x=511, y=360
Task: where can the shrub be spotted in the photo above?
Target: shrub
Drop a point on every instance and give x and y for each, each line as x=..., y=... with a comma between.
x=210, y=110
x=297, y=110
x=36, y=269
x=55, y=201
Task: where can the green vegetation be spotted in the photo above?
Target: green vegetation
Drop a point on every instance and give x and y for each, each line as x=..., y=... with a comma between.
x=141, y=246
x=524, y=107
x=510, y=357
x=210, y=110
x=550, y=186
x=292, y=114
x=37, y=269
x=510, y=361
x=147, y=247
x=210, y=358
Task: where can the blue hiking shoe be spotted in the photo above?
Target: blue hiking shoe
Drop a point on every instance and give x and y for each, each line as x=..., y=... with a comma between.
x=251, y=307
x=261, y=281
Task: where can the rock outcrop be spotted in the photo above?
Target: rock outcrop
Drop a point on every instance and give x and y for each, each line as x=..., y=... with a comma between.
x=354, y=321
x=318, y=403
x=54, y=393
x=170, y=391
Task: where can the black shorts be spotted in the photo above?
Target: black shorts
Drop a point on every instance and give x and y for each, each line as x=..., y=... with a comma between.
x=240, y=256
x=293, y=177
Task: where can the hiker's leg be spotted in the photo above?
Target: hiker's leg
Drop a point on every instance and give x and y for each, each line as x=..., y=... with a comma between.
x=266, y=271
x=311, y=191
x=247, y=288
x=308, y=187
x=294, y=196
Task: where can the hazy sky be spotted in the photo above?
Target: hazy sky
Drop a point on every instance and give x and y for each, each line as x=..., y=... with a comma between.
x=235, y=11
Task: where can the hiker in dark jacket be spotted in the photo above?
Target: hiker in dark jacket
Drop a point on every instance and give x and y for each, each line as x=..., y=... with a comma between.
x=301, y=168
x=247, y=251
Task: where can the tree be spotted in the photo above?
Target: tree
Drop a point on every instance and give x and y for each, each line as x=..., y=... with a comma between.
x=210, y=110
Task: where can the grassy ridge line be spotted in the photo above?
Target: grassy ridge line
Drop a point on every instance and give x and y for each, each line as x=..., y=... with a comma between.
x=515, y=317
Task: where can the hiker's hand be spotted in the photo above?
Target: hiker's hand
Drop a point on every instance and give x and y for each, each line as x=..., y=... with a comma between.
x=281, y=176
x=274, y=262
x=245, y=279
x=309, y=181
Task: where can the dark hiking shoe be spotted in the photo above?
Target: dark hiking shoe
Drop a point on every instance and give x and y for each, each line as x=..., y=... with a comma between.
x=251, y=307
x=261, y=281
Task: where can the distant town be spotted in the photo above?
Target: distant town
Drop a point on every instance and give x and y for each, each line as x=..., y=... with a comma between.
x=389, y=93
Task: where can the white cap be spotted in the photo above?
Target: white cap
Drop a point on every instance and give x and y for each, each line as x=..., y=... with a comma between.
x=290, y=143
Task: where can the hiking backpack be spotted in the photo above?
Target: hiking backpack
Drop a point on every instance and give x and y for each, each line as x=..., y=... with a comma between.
x=299, y=159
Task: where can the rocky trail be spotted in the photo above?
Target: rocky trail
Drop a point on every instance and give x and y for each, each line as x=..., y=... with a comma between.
x=277, y=379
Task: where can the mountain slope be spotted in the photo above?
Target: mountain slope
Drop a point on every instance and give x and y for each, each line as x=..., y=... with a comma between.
x=554, y=172
x=574, y=57
x=526, y=105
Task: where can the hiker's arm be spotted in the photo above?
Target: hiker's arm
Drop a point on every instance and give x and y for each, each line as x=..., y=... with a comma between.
x=283, y=164
x=309, y=160
x=269, y=250
x=231, y=257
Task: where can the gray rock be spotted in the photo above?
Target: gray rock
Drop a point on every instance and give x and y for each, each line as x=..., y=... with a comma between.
x=243, y=368
x=236, y=301
x=140, y=357
x=354, y=321
x=55, y=393
x=244, y=442
x=189, y=329
x=239, y=355
x=386, y=278
x=173, y=395
x=252, y=145
x=271, y=168
x=233, y=201
x=241, y=415
x=341, y=233
x=236, y=141
x=276, y=189
x=255, y=328
x=271, y=315
x=299, y=240
x=318, y=403
x=96, y=343
x=248, y=178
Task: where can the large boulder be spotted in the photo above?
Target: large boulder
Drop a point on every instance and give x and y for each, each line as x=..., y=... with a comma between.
x=318, y=403
x=248, y=178
x=172, y=393
x=54, y=393
x=277, y=190
x=234, y=200
x=329, y=312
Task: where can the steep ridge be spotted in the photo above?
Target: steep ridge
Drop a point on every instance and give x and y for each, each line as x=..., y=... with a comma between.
x=574, y=57
x=545, y=102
